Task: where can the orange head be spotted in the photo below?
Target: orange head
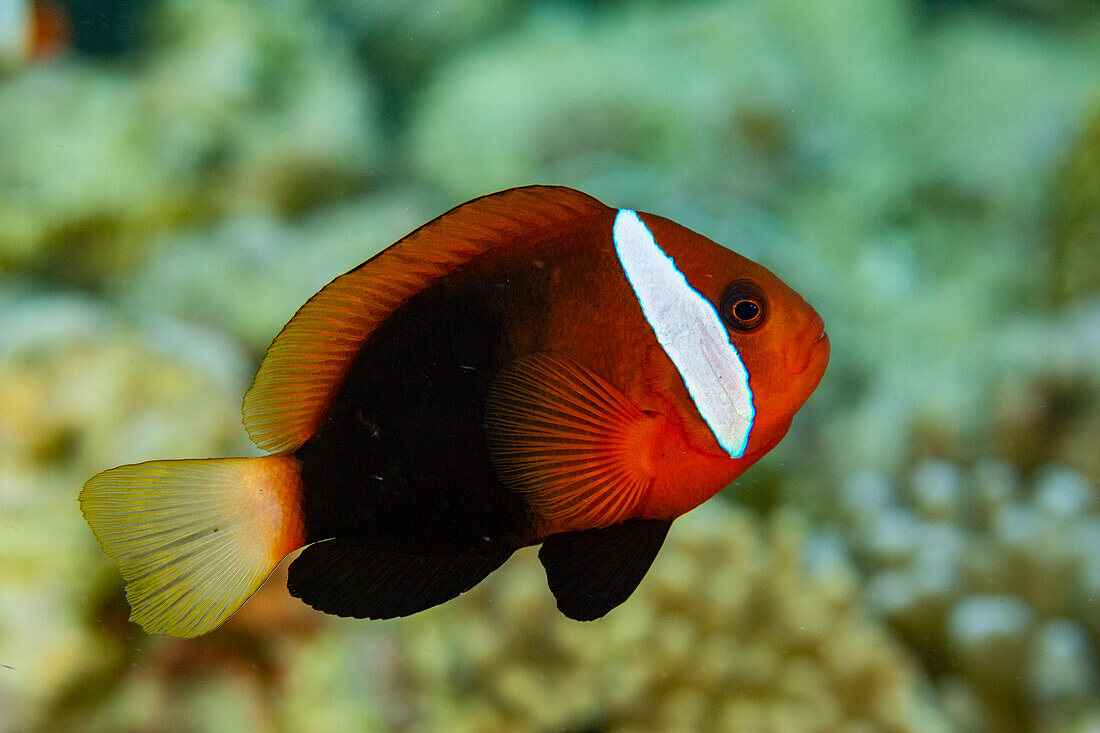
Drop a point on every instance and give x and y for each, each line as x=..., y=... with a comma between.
x=777, y=337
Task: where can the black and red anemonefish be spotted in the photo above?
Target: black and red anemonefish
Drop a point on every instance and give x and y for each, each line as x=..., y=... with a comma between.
x=532, y=367
x=32, y=31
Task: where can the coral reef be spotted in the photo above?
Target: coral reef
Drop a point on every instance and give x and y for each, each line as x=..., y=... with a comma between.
x=727, y=632
x=243, y=106
x=993, y=580
x=80, y=392
x=247, y=274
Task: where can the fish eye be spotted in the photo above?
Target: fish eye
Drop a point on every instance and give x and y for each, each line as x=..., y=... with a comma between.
x=744, y=306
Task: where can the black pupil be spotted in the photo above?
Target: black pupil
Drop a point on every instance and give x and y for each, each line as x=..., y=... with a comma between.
x=746, y=310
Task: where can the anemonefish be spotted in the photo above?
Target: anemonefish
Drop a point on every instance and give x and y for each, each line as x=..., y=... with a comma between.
x=32, y=31
x=532, y=367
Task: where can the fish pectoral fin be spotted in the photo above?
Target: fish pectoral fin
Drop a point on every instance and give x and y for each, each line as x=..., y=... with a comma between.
x=593, y=571
x=572, y=445
x=357, y=578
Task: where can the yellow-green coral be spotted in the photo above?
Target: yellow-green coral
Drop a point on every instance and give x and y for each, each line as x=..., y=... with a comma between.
x=79, y=392
x=242, y=106
x=727, y=632
x=994, y=581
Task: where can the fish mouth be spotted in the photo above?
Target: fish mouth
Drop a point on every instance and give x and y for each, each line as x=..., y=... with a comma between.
x=813, y=348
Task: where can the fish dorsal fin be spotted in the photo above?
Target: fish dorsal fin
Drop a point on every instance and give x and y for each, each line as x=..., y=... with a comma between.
x=307, y=361
x=568, y=442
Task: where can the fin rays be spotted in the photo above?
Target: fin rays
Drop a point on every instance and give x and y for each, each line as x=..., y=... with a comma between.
x=561, y=437
x=194, y=539
x=307, y=361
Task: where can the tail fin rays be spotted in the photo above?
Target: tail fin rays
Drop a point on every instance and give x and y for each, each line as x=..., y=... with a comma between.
x=194, y=539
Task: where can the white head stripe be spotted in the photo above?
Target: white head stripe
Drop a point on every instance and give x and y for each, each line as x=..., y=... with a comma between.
x=690, y=331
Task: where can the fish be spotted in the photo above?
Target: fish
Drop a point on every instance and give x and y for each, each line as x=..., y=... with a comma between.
x=532, y=367
x=32, y=31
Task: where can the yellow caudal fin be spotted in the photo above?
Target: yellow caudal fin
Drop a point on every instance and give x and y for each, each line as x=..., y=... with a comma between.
x=194, y=539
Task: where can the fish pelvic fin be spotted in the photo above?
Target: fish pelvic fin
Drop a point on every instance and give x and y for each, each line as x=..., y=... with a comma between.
x=592, y=571
x=194, y=539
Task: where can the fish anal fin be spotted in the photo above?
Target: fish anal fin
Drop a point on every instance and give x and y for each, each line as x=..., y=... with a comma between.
x=307, y=361
x=357, y=578
x=592, y=571
x=578, y=451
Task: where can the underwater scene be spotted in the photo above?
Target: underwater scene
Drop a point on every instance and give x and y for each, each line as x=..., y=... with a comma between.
x=921, y=552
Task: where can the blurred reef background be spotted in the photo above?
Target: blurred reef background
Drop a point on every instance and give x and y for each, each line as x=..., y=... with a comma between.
x=922, y=553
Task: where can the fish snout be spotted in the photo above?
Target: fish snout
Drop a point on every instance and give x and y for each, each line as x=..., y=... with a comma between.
x=809, y=347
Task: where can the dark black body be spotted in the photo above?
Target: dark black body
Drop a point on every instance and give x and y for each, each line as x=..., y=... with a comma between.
x=400, y=458
x=402, y=507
